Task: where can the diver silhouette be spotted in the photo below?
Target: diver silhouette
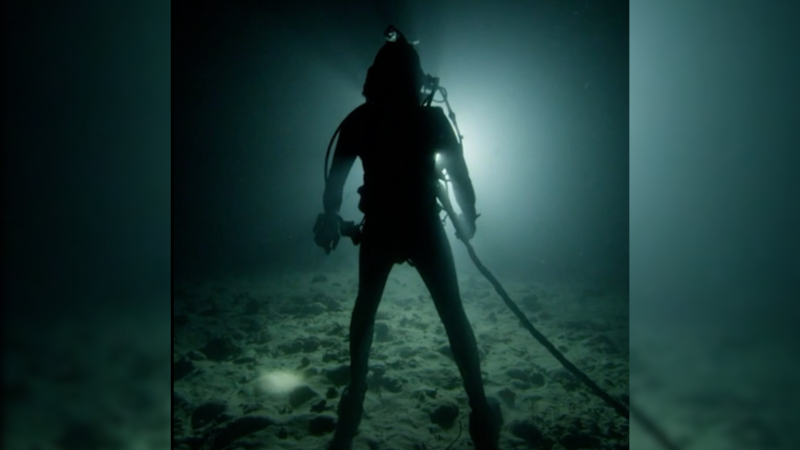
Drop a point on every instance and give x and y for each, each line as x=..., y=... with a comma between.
x=403, y=146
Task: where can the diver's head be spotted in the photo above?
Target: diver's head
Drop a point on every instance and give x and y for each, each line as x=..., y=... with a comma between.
x=396, y=76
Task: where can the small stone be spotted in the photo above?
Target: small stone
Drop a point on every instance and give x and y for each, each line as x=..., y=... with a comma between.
x=331, y=393
x=321, y=425
x=311, y=344
x=337, y=329
x=451, y=383
x=604, y=345
x=517, y=374
x=521, y=385
x=339, y=376
x=300, y=395
x=393, y=385
x=566, y=379
x=424, y=393
x=248, y=357
x=332, y=304
x=446, y=351
x=530, y=433
x=378, y=370
x=221, y=349
x=508, y=396
x=382, y=332
x=207, y=413
x=537, y=379
x=182, y=368
x=332, y=356
x=444, y=415
x=408, y=352
x=319, y=406
x=239, y=427
x=290, y=349
x=307, y=345
x=314, y=309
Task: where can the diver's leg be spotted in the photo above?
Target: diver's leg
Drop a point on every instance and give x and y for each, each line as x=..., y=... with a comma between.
x=434, y=261
x=374, y=267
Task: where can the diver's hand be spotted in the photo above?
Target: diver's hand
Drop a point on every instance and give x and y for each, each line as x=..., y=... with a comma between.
x=466, y=229
x=326, y=231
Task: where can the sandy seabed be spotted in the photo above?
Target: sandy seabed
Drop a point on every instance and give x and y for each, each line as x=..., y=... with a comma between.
x=260, y=361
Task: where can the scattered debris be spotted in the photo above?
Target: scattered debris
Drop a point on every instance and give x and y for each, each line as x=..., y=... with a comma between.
x=444, y=415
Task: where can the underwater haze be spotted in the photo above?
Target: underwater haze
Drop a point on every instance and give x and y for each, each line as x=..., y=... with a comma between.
x=261, y=314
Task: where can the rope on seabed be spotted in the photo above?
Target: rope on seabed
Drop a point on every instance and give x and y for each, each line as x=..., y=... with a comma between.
x=645, y=421
x=457, y=437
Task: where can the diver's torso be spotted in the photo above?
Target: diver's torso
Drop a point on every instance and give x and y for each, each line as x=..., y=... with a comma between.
x=398, y=156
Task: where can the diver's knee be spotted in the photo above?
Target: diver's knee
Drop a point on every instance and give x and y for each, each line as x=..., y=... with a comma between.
x=454, y=318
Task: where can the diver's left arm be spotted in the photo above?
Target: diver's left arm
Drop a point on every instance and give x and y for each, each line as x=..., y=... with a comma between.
x=348, y=148
x=327, y=227
x=452, y=160
x=343, y=159
x=462, y=184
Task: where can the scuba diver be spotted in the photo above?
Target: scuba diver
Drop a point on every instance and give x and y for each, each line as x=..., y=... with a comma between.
x=404, y=146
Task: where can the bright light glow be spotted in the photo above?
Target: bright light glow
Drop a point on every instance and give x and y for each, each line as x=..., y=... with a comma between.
x=280, y=382
x=483, y=140
x=497, y=142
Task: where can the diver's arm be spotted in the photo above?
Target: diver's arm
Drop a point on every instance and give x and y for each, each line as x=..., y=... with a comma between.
x=453, y=161
x=462, y=184
x=343, y=158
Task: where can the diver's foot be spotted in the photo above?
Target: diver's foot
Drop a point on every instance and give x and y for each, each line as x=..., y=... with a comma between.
x=485, y=428
x=340, y=444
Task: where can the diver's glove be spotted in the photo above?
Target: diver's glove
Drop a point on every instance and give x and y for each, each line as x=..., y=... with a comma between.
x=326, y=231
x=466, y=229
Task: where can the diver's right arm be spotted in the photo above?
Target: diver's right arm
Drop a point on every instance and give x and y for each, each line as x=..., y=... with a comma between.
x=452, y=155
x=343, y=159
x=327, y=228
x=452, y=159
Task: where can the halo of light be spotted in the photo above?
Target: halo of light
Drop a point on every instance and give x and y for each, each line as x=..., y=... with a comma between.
x=280, y=382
